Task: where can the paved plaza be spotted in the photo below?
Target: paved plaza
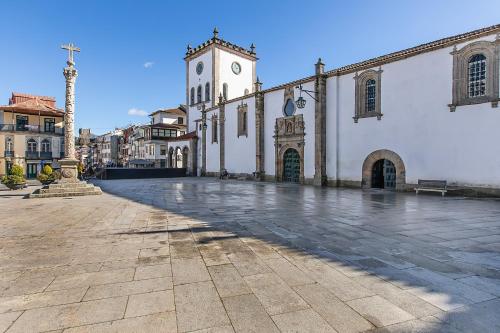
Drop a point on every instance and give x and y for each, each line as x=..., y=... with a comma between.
x=200, y=255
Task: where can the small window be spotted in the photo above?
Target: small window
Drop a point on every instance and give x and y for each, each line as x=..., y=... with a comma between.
x=49, y=125
x=192, y=96
x=32, y=146
x=198, y=95
x=246, y=92
x=477, y=75
x=9, y=145
x=180, y=120
x=370, y=95
x=45, y=146
x=289, y=108
x=225, y=91
x=207, y=91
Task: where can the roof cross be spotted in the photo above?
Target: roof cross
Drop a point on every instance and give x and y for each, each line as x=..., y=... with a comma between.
x=71, y=48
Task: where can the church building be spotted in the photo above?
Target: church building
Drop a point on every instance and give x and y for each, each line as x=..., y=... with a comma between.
x=427, y=112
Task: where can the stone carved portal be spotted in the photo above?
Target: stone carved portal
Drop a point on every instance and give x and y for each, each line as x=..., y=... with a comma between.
x=289, y=134
x=383, y=154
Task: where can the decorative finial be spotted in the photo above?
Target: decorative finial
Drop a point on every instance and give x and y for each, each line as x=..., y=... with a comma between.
x=252, y=48
x=216, y=33
x=319, y=62
x=221, y=98
x=189, y=48
x=258, y=81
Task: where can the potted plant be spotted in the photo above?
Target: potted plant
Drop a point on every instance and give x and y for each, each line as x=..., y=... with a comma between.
x=15, y=178
x=47, y=175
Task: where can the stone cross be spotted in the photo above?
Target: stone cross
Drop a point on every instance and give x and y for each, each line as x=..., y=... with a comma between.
x=69, y=164
x=71, y=48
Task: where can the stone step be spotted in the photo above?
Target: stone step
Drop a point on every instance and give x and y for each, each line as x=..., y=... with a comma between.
x=67, y=190
x=69, y=185
x=97, y=191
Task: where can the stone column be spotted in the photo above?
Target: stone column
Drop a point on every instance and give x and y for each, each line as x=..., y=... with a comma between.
x=222, y=134
x=259, y=131
x=320, y=177
x=69, y=164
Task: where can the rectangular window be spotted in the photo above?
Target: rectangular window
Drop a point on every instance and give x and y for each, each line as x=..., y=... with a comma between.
x=21, y=123
x=49, y=125
x=163, y=150
x=180, y=120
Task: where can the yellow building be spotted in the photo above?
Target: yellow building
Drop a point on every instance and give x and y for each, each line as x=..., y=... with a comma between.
x=31, y=133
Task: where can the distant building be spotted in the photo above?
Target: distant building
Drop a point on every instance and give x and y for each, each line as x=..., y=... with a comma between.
x=31, y=133
x=166, y=125
x=107, y=148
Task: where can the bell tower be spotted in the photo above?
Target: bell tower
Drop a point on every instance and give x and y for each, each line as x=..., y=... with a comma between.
x=217, y=67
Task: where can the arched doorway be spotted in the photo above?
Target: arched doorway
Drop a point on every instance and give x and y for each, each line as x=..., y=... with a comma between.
x=384, y=174
x=291, y=166
x=384, y=169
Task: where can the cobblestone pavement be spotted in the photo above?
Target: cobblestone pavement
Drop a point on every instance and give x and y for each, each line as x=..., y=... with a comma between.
x=199, y=255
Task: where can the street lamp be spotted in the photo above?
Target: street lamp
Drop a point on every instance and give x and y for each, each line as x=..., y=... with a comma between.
x=301, y=102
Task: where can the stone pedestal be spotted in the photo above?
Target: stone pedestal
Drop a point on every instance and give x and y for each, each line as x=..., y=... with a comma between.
x=69, y=170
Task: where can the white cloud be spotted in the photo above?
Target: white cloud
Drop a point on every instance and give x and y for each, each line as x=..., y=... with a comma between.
x=137, y=112
x=148, y=64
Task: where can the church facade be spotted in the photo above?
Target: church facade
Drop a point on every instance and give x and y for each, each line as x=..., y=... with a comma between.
x=427, y=112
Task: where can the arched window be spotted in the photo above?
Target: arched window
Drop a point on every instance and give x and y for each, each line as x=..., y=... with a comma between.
x=242, y=120
x=370, y=95
x=477, y=75
x=289, y=108
x=225, y=91
x=367, y=94
x=45, y=146
x=207, y=91
x=246, y=92
x=9, y=145
x=192, y=96
x=32, y=145
x=198, y=94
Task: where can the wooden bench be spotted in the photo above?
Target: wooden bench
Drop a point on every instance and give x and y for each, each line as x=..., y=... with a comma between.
x=431, y=186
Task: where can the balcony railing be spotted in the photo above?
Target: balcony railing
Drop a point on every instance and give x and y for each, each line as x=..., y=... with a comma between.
x=45, y=155
x=8, y=153
x=31, y=154
x=30, y=128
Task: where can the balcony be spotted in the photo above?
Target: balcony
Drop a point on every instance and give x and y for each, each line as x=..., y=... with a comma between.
x=31, y=129
x=46, y=155
x=8, y=153
x=31, y=154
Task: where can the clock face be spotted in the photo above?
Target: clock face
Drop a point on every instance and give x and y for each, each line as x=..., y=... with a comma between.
x=236, y=68
x=199, y=68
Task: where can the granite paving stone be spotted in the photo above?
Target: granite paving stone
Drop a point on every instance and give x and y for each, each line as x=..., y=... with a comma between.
x=248, y=315
x=198, y=306
x=207, y=256
x=304, y=321
x=149, y=303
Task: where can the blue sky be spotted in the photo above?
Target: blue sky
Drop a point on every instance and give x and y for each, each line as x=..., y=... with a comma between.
x=132, y=51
